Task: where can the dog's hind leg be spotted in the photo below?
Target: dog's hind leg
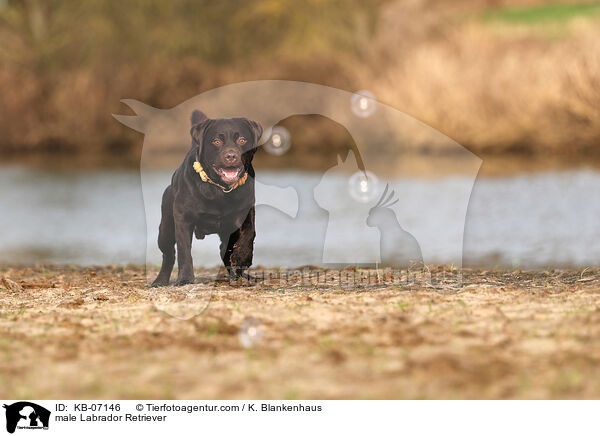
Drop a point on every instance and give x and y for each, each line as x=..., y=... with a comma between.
x=240, y=248
x=227, y=242
x=166, y=239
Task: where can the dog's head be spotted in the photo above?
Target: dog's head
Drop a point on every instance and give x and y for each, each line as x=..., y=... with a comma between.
x=226, y=146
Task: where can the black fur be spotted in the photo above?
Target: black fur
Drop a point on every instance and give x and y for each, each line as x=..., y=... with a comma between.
x=191, y=206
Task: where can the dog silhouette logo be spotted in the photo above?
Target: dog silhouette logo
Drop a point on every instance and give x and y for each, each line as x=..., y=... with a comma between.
x=26, y=415
x=313, y=218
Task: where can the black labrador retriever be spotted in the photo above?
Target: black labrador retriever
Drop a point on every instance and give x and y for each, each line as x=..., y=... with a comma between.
x=211, y=192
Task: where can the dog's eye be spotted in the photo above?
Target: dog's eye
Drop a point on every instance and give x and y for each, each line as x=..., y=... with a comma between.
x=217, y=142
x=241, y=140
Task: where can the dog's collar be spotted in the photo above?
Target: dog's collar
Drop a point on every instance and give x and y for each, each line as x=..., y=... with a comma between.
x=198, y=168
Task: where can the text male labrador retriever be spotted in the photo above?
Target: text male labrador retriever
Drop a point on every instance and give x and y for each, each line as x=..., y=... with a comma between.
x=211, y=192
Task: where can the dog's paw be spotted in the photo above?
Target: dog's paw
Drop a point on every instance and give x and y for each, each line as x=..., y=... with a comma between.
x=159, y=282
x=234, y=272
x=181, y=281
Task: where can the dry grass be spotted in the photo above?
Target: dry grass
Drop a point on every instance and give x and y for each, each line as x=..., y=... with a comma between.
x=94, y=333
x=502, y=90
x=497, y=82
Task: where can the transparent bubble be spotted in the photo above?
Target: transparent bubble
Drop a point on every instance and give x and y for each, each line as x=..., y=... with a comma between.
x=363, y=186
x=363, y=103
x=188, y=301
x=279, y=140
x=181, y=302
x=251, y=332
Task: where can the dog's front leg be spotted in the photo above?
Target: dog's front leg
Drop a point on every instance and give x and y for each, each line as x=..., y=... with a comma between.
x=183, y=235
x=243, y=247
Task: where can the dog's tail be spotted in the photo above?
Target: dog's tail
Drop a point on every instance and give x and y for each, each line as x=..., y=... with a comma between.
x=197, y=117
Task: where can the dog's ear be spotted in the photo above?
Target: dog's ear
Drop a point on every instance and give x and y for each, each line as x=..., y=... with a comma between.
x=256, y=129
x=197, y=117
x=197, y=133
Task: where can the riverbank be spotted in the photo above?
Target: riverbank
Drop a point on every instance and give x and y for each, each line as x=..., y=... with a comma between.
x=73, y=332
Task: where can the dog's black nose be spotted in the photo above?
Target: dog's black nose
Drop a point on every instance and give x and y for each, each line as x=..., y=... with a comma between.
x=231, y=157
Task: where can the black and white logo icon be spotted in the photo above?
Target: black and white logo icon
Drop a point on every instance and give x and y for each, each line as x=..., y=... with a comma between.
x=26, y=415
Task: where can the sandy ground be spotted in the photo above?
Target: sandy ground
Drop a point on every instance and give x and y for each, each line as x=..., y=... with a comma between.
x=71, y=332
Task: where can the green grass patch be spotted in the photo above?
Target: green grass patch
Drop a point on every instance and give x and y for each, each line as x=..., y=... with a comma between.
x=555, y=12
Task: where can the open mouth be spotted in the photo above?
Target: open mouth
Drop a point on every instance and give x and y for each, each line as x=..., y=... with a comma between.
x=229, y=175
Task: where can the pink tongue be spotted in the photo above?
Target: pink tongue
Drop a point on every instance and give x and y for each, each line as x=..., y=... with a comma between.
x=229, y=175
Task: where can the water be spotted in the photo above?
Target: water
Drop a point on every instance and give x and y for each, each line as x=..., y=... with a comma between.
x=98, y=217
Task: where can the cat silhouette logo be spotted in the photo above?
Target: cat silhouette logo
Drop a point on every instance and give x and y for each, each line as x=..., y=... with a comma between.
x=26, y=415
